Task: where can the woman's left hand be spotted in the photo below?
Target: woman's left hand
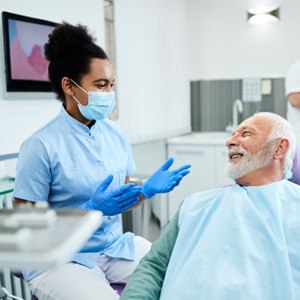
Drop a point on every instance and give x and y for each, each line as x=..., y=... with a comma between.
x=163, y=180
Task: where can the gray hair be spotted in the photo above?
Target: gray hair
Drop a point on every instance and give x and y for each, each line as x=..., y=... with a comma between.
x=282, y=129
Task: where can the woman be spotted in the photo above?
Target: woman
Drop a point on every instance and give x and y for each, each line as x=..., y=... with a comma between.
x=81, y=159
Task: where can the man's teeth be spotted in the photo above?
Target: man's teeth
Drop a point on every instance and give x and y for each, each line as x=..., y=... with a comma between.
x=235, y=156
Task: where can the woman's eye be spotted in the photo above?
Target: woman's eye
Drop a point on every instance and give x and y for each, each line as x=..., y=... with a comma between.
x=103, y=86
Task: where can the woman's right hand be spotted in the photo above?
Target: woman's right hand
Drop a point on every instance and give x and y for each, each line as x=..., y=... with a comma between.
x=113, y=202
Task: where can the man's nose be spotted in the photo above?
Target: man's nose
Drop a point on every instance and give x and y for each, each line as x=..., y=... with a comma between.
x=232, y=142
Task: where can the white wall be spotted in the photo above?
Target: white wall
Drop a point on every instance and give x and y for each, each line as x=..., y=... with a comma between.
x=152, y=64
x=223, y=45
x=20, y=116
x=161, y=45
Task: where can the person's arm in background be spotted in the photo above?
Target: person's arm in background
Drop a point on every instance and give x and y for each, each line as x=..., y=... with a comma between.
x=294, y=99
x=147, y=280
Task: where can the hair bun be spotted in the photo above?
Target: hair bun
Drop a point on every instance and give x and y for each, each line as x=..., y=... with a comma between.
x=66, y=39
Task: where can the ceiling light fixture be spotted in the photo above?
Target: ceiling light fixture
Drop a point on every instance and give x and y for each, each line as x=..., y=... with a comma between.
x=261, y=15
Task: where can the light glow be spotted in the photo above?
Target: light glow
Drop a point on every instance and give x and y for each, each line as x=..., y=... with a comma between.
x=261, y=10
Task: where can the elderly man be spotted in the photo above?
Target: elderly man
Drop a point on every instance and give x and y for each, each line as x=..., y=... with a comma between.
x=240, y=242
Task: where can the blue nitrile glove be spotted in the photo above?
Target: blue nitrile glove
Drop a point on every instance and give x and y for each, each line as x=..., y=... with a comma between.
x=163, y=181
x=113, y=202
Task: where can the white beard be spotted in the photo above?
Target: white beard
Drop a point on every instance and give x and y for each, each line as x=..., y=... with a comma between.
x=249, y=162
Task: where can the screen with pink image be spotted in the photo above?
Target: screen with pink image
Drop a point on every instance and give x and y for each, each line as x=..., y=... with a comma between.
x=24, y=40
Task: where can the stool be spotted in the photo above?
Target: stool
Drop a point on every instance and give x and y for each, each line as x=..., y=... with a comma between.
x=20, y=276
x=118, y=287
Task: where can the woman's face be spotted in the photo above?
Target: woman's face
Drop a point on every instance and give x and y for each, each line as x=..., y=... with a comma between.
x=100, y=78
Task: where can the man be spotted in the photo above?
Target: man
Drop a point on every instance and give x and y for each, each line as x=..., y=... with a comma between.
x=292, y=91
x=240, y=242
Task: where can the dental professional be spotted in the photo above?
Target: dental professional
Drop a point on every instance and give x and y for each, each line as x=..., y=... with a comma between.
x=292, y=92
x=81, y=159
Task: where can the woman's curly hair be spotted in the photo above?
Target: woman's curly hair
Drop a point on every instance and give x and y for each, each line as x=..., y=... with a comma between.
x=69, y=50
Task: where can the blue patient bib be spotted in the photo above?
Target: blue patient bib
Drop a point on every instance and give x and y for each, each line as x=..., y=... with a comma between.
x=237, y=243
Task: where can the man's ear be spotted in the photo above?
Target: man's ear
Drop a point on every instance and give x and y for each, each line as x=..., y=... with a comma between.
x=281, y=149
x=67, y=86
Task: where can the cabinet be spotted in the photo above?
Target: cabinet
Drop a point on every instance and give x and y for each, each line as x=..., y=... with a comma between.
x=207, y=154
x=7, y=169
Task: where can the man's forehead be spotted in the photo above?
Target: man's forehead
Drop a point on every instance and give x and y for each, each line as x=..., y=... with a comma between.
x=257, y=123
x=248, y=123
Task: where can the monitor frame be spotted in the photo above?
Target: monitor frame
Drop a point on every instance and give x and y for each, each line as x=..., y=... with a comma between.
x=22, y=85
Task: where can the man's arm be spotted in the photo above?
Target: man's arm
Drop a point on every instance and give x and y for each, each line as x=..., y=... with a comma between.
x=294, y=99
x=146, y=281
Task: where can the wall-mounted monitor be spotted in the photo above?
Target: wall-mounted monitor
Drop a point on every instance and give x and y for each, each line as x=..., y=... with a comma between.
x=26, y=67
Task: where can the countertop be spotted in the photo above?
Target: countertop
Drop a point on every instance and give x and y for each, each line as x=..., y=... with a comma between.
x=201, y=138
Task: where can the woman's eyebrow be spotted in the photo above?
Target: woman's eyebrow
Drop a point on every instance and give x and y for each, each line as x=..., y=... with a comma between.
x=103, y=79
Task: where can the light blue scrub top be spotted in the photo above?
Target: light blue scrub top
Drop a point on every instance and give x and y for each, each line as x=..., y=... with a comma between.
x=237, y=243
x=64, y=162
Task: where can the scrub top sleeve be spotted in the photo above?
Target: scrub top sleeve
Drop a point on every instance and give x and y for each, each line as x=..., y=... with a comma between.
x=33, y=175
x=147, y=280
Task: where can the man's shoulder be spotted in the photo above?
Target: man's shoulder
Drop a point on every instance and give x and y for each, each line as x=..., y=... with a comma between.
x=202, y=195
x=291, y=186
x=199, y=199
x=209, y=194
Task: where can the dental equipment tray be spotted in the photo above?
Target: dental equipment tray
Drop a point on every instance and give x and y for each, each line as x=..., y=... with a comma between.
x=42, y=237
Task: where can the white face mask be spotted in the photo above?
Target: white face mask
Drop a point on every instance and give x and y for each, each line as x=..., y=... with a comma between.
x=100, y=104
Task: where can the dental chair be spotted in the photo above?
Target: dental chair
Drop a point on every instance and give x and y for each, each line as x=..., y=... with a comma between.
x=118, y=287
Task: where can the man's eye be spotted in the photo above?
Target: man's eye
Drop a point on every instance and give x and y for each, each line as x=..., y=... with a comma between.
x=101, y=86
x=112, y=85
x=246, y=133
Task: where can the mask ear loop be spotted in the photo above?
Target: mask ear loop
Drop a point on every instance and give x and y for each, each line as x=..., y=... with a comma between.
x=73, y=94
x=79, y=86
x=76, y=99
